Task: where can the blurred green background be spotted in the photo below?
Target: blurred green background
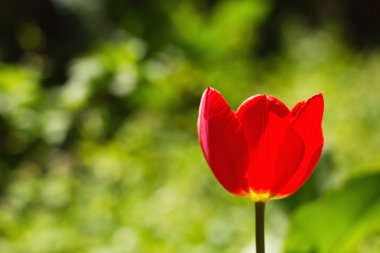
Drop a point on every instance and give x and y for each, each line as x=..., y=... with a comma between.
x=98, y=110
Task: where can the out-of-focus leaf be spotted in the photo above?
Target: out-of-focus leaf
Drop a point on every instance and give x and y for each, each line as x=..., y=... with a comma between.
x=345, y=220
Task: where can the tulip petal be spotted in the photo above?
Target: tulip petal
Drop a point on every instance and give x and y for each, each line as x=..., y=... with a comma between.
x=265, y=121
x=289, y=157
x=308, y=125
x=222, y=140
x=297, y=108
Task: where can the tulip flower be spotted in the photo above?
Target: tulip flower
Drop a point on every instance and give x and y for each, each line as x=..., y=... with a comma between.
x=263, y=151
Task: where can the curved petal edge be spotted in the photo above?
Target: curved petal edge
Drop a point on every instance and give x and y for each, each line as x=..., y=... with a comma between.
x=223, y=143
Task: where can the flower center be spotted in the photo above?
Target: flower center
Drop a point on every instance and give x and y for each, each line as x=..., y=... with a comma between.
x=259, y=196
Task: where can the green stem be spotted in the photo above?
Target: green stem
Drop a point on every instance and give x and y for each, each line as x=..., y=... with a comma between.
x=260, y=239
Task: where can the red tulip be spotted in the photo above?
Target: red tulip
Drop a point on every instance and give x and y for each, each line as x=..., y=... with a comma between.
x=263, y=150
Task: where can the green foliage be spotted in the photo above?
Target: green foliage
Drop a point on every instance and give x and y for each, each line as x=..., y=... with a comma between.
x=344, y=220
x=107, y=159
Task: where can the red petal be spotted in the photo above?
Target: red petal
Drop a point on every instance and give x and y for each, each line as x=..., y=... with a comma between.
x=265, y=121
x=297, y=108
x=308, y=125
x=290, y=156
x=223, y=144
